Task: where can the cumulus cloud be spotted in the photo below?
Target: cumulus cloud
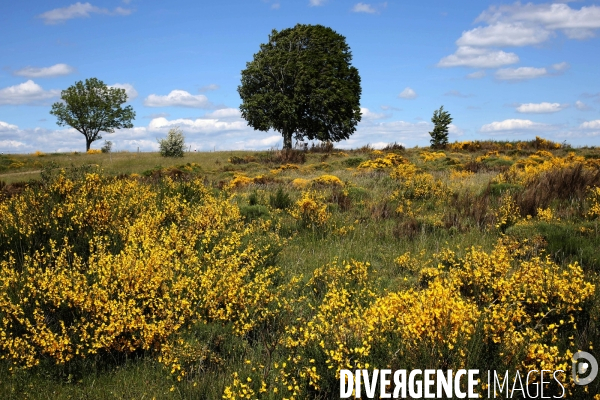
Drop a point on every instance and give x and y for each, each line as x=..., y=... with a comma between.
x=541, y=108
x=78, y=10
x=503, y=34
x=520, y=25
x=269, y=141
x=591, y=124
x=519, y=74
x=576, y=24
x=178, y=98
x=224, y=113
x=368, y=114
x=581, y=106
x=6, y=127
x=467, y=56
x=45, y=72
x=26, y=93
x=512, y=125
x=129, y=90
x=199, y=125
x=316, y=3
x=408, y=93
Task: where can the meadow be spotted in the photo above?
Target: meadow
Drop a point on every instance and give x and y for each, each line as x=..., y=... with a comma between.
x=259, y=275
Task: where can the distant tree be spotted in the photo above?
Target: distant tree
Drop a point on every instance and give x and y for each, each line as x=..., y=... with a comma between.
x=173, y=145
x=301, y=84
x=91, y=108
x=441, y=120
x=107, y=148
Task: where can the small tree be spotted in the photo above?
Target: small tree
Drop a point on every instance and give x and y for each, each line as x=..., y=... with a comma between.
x=173, y=145
x=91, y=108
x=441, y=120
x=107, y=148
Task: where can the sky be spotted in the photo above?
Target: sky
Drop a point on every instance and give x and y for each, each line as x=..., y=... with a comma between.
x=503, y=70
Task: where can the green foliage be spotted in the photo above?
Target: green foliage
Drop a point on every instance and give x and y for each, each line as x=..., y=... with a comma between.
x=250, y=213
x=281, y=200
x=91, y=108
x=566, y=242
x=253, y=198
x=353, y=162
x=173, y=145
x=315, y=93
x=107, y=146
x=441, y=120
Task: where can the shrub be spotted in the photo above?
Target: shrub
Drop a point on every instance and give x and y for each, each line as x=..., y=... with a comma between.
x=107, y=146
x=173, y=145
x=281, y=200
x=353, y=162
x=250, y=213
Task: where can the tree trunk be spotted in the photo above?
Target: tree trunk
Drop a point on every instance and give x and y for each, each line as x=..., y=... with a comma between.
x=287, y=140
x=88, y=143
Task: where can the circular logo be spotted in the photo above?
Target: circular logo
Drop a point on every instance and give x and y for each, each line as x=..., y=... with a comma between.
x=581, y=367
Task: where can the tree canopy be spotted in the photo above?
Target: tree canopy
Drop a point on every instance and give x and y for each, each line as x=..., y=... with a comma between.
x=93, y=107
x=441, y=120
x=302, y=84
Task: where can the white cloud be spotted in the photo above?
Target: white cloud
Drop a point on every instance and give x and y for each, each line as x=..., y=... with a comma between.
x=224, y=113
x=512, y=125
x=364, y=8
x=476, y=75
x=178, y=98
x=581, y=106
x=5, y=127
x=208, y=88
x=591, y=124
x=560, y=67
x=521, y=73
x=199, y=125
x=26, y=93
x=45, y=72
x=269, y=141
x=129, y=90
x=503, y=34
x=466, y=56
x=541, y=107
x=368, y=114
x=9, y=146
x=316, y=3
x=78, y=10
x=408, y=93
x=576, y=24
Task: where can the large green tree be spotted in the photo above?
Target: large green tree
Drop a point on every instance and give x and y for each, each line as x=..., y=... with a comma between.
x=302, y=84
x=93, y=107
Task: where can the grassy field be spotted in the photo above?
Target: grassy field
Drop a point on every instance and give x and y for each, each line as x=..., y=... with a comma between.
x=262, y=274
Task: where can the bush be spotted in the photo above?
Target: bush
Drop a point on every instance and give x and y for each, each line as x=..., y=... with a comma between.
x=281, y=200
x=173, y=145
x=353, y=162
x=107, y=146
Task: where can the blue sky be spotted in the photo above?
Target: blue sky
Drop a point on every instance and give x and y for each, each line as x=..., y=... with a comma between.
x=503, y=70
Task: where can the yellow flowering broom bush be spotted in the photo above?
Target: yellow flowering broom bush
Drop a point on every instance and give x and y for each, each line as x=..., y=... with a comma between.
x=135, y=264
